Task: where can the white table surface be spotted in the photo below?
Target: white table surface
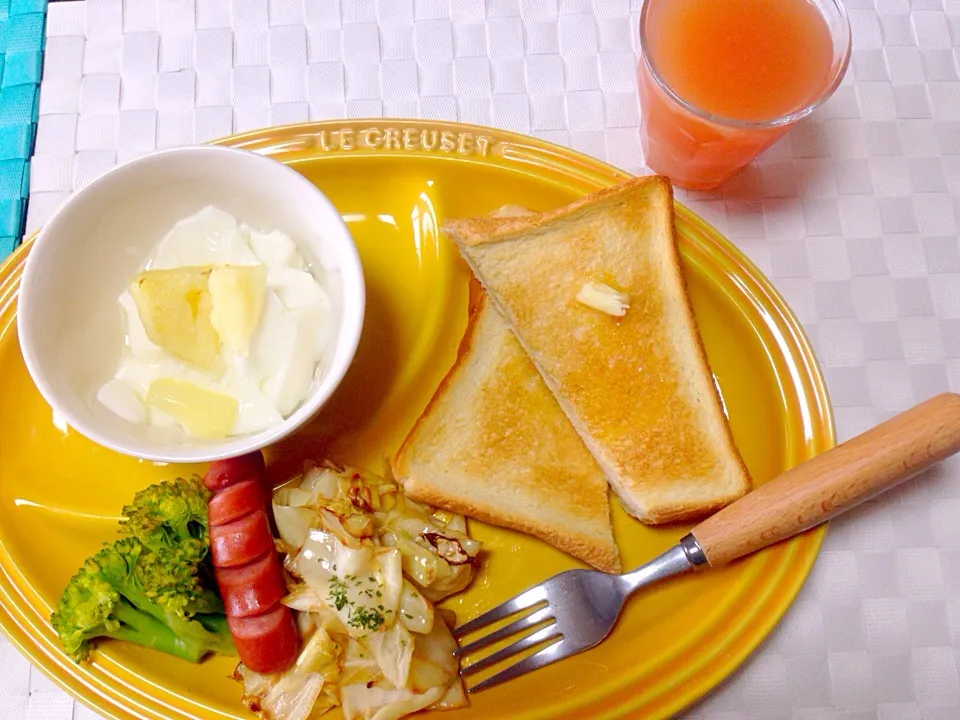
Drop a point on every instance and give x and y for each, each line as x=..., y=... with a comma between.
x=853, y=216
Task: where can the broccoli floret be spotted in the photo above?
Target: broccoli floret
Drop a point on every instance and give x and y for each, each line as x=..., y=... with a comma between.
x=115, y=595
x=152, y=588
x=171, y=517
x=176, y=579
x=168, y=513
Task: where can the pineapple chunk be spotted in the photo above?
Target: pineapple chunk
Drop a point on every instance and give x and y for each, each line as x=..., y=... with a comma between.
x=237, y=292
x=175, y=307
x=202, y=413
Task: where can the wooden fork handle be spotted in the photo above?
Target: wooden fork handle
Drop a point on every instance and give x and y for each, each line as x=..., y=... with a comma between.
x=835, y=481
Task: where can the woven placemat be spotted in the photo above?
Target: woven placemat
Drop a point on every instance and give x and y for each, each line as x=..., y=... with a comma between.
x=21, y=60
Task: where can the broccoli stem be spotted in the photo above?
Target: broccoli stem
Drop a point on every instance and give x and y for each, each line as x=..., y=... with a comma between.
x=217, y=625
x=139, y=600
x=142, y=629
x=219, y=641
x=213, y=623
x=201, y=638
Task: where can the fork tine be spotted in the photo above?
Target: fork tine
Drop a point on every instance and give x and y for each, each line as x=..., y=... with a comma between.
x=516, y=626
x=515, y=604
x=529, y=641
x=538, y=660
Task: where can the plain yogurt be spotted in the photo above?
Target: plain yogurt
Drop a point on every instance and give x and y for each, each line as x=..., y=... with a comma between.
x=268, y=378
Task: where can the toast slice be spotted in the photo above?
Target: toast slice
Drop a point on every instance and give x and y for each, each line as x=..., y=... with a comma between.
x=637, y=388
x=493, y=444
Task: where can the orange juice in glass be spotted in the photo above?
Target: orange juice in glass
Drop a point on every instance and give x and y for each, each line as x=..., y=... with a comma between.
x=720, y=80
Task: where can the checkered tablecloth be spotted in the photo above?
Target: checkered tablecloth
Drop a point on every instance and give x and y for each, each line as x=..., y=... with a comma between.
x=853, y=216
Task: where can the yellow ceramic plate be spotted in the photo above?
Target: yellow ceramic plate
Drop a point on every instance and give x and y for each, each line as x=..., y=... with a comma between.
x=393, y=182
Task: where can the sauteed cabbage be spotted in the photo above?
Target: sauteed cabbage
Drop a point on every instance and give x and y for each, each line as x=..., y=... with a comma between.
x=365, y=566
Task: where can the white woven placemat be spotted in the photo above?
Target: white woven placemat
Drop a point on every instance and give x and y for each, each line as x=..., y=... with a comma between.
x=854, y=217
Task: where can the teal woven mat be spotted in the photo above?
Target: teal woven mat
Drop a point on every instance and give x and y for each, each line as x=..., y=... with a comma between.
x=21, y=63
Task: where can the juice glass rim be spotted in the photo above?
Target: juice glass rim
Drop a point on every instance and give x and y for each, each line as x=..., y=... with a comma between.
x=778, y=121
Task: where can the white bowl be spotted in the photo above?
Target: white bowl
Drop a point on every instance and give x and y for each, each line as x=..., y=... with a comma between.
x=70, y=326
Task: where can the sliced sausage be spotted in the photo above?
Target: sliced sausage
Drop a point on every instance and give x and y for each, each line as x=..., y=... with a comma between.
x=267, y=643
x=236, y=501
x=246, y=565
x=253, y=588
x=224, y=473
x=241, y=541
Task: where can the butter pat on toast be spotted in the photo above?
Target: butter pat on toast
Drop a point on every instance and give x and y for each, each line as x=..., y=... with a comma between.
x=495, y=445
x=637, y=387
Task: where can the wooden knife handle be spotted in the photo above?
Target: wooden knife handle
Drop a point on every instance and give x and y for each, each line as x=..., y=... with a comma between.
x=835, y=481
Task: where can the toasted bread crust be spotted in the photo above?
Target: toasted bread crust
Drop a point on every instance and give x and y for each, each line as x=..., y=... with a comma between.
x=475, y=302
x=571, y=514
x=678, y=460
x=549, y=507
x=602, y=556
x=689, y=512
x=500, y=227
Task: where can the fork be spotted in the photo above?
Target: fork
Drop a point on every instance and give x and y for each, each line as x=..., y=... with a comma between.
x=575, y=610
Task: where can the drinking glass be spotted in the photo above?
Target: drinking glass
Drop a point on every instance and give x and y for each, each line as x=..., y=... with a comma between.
x=697, y=149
